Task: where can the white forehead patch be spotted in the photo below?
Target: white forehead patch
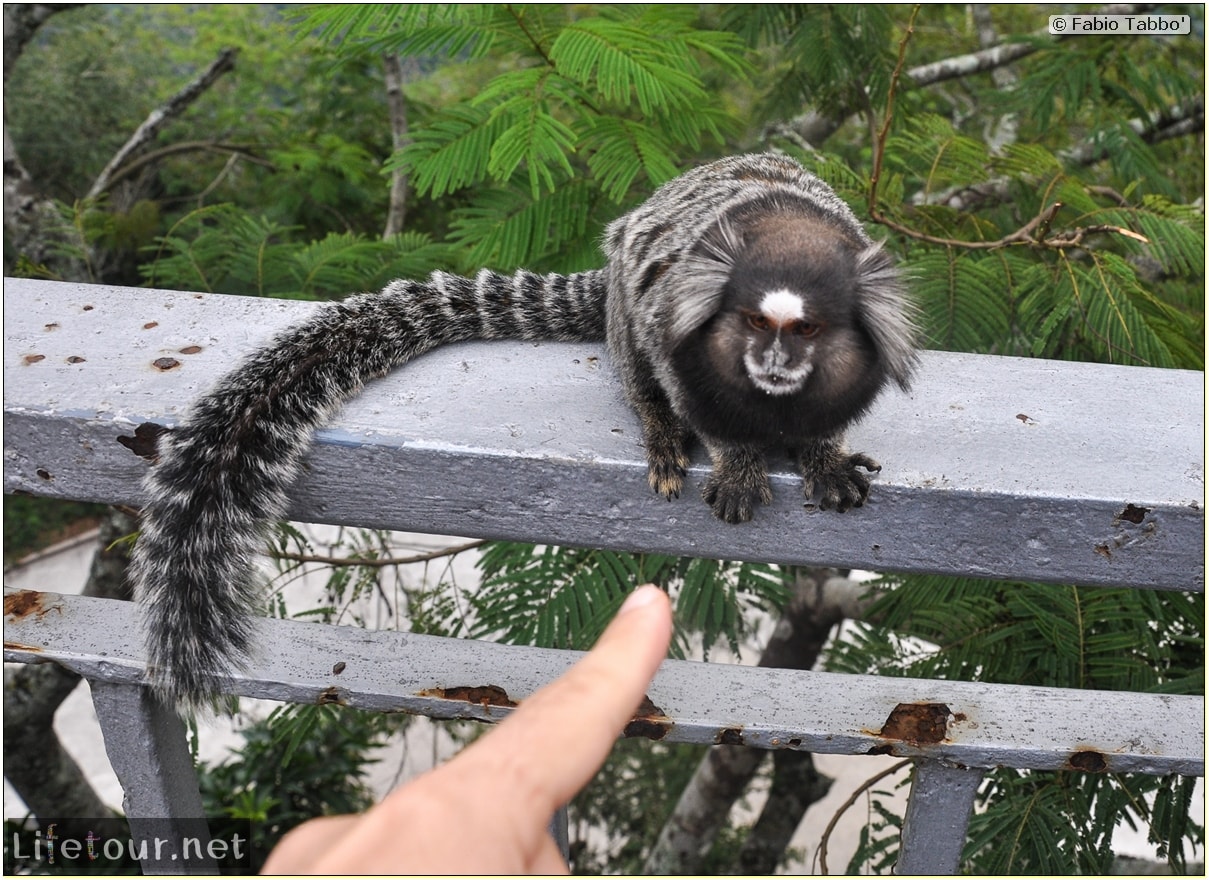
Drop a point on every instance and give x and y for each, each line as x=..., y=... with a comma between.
x=782, y=307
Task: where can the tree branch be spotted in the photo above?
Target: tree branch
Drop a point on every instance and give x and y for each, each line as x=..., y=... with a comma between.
x=159, y=117
x=235, y=150
x=1034, y=233
x=861, y=789
x=1176, y=121
x=379, y=563
x=880, y=140
x=814, y=127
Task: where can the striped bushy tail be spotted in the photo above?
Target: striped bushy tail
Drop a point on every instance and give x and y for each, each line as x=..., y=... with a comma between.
x=222, y=478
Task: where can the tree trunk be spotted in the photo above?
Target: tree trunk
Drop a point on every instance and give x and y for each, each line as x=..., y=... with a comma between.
x=45, y=776
x=820, y=601
x=32, y=226
x=396, y=104
x=796, y=784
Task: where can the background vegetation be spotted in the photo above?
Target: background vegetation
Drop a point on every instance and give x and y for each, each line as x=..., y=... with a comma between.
x=1050, y=205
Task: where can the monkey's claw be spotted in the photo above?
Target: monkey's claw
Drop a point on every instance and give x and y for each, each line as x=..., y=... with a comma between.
x=733, y=501
x=842, y=486
x=666, y=480
x=665, y=474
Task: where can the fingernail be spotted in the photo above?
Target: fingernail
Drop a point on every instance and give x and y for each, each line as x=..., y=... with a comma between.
x=643, y=595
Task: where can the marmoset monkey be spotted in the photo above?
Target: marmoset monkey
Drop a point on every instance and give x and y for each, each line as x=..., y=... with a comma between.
x=743, y=306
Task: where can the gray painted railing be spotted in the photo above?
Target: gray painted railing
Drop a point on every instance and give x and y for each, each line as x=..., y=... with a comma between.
x=993, y=467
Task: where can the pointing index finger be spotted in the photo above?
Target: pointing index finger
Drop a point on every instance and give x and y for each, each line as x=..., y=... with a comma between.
x=557, y=739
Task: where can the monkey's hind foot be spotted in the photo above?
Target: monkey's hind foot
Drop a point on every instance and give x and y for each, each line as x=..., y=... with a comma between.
x=839, y=480
x=738, y=482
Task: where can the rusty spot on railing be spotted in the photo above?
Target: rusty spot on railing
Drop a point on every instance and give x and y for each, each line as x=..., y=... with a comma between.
x=917, y=723
x=32, y=359
x=17, y=646
x=649, y=721
x=729, y=736
x=1088, y=760
x=27, y=602
x=330, y=696
x=483, y=695
x=145, y=440
x=165, y=363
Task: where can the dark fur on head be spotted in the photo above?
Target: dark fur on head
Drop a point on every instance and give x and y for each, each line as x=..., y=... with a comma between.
x=855, y=331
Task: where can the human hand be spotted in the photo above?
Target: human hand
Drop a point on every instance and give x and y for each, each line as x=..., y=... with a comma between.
x=487, y=811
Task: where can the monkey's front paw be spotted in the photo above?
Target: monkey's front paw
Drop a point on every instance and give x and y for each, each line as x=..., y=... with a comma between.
x=735, y=501
x=665, y=471
x=843, y=486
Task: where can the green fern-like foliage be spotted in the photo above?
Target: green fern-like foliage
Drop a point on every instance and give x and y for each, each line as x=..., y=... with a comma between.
x=225, y=249
x=592, y=111
x=1042, y=635
x=564, y=598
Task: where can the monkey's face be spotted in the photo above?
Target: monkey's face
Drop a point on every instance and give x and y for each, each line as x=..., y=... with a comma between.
x=778, y=341
x=781, y=331
x=775, y=328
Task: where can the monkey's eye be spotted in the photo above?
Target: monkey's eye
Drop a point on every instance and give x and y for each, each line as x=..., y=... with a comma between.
x=758, y=321
x=806, y=329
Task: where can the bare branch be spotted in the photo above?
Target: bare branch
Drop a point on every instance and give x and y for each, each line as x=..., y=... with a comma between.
x=379, y=563
x=1176, y=121
x=159, y=117
x=236, y=151
x=1172, y=122
x=814, y=127
x=861, y=789
x=880, y=139
x=1002, y=54
x=1035, y=233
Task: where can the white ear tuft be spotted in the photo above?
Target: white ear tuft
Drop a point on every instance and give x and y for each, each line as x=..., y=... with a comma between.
x=888, y=312
x=695, y=285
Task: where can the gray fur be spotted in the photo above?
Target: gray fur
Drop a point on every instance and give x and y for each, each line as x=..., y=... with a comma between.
x=675, y=305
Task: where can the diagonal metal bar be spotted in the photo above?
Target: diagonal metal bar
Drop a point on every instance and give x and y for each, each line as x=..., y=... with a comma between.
x=149, y=753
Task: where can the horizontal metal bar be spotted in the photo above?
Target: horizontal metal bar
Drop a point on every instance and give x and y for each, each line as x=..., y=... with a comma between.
x=961, y=723
x=994, y=467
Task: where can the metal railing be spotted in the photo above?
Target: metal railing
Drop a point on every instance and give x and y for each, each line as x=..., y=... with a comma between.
x=994, y=467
